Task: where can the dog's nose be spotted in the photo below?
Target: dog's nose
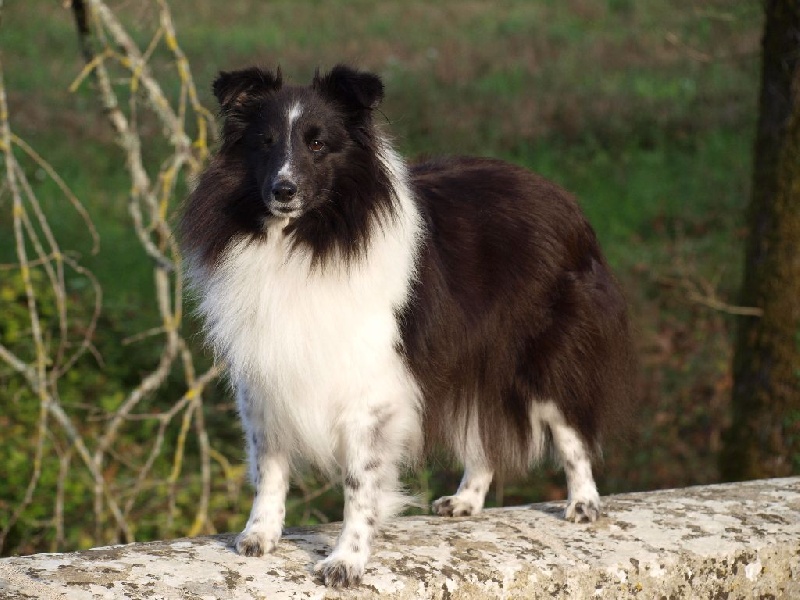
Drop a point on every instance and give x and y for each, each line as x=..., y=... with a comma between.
x=284, y=190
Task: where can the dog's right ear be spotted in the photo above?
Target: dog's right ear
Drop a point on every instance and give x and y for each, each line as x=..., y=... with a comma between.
x=232, y=88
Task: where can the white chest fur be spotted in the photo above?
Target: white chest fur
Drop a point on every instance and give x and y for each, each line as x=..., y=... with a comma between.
x=314, y=347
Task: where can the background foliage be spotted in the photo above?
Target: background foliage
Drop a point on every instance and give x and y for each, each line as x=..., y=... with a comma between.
x=645, y=110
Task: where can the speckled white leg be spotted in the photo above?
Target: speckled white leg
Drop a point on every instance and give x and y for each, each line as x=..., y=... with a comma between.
x=263, y=529
x=345, y=565
x=469, y=498
x=269, y=473
x=373, y=444
x=583, y=501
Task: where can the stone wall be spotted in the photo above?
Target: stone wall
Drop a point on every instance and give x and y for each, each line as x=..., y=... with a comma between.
x=723, y=541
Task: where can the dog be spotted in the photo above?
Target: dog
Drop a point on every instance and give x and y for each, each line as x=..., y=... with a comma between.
x=369, y=310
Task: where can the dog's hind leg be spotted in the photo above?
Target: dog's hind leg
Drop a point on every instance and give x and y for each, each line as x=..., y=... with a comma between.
x=469, y=498
x=583, y=501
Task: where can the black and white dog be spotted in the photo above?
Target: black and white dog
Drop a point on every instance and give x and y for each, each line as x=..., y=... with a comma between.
x=369, y=310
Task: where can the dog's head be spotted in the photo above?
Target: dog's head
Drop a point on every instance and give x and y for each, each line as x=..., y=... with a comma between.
x=303, y=145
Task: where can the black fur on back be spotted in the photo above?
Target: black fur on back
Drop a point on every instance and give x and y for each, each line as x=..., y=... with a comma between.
x=514, y=305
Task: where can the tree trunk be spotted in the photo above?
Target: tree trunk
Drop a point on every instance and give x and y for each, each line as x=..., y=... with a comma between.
x=764, y=439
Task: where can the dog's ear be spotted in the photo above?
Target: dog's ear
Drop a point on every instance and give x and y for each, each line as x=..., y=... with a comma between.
x=233, y=87
x=355, y=90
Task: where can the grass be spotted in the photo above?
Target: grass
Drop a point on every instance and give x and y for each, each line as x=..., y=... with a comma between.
x=645, y=110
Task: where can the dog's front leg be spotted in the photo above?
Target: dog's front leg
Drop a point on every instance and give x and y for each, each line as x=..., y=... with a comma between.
x=264, y=527
x=370, y=482
x=269, y=473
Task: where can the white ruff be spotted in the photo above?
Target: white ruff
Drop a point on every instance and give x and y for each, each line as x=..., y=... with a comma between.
x=314, y=347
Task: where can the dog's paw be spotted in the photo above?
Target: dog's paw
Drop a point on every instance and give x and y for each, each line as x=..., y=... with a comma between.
x=255, y=543
x=454, y=506
x=339, y=572
x=583, y=510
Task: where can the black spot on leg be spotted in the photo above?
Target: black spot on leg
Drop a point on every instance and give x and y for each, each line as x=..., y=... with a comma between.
x=371, y=521
x=372, y=465
x=351, y=482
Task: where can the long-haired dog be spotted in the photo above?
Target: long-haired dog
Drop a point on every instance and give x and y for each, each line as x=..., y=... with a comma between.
x=368, y=310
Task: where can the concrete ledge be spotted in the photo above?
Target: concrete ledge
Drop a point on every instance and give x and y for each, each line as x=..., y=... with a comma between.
x=723, y=541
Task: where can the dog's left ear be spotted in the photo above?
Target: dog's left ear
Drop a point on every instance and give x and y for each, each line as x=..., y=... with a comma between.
x=355, y=90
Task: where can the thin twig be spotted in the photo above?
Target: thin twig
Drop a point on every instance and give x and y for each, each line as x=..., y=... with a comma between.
x=55, y=344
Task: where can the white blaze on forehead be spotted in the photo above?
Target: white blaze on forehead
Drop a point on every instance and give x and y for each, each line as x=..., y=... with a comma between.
x=294, y=112
x=292, y=115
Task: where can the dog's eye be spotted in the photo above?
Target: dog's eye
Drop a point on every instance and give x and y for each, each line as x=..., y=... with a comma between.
x=316, y=145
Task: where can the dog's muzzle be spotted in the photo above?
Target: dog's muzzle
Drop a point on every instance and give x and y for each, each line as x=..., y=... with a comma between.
x=283, y=199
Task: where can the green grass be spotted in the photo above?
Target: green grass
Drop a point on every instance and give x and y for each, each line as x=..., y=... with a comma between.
x=644, y=110
x=639, y=198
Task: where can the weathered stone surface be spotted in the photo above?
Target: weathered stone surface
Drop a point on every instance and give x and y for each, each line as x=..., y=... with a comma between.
x=724, y=541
